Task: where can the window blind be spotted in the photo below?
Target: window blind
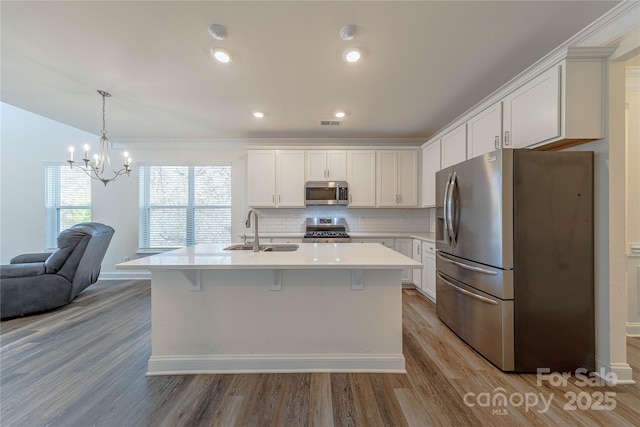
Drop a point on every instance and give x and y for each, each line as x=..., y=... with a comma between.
x=184, y=205
x=67, y=200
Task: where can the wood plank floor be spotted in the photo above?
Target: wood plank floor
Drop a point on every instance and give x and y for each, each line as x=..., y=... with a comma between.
x=85, y=365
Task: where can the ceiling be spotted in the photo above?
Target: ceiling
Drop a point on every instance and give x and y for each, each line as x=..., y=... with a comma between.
x=424, y=63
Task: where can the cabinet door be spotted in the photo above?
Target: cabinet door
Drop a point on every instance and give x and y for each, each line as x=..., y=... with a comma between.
x=386, y=179
x=484, y=131
x=261, y=168
x=316, y=165
x=408, y=178
x=454, y=146
x=361, y=175
x=429, y=270
x=405, y=247
x=290, y=179
x=532, y=112
x=337, y=165
x=430, y=165
x=417, y=256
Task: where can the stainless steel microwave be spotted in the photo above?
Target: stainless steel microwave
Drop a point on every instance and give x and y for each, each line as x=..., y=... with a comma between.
x=326, y=193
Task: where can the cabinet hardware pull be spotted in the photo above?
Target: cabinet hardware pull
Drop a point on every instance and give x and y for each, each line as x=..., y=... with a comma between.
x=279, y=198
x=506, y=138
x=273, y=198
x=496, y=142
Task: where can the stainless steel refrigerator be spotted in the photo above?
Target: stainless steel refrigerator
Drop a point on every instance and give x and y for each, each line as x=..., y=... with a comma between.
x=515, y=258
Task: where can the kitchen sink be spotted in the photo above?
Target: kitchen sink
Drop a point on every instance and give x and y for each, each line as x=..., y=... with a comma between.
x=264, y=248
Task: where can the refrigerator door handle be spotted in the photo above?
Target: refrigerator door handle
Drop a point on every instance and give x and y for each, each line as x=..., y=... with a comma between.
x=445, y=208
x=465, y=292
x=467, y=267
x=450, y=210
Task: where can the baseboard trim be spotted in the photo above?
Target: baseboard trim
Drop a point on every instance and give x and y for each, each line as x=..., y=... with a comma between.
x=268, y=363
x=633, y=329
x=615, y=373
x=125, y=275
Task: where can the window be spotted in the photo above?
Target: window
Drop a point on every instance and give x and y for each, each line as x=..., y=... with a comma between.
x=67, y=200
x=184, y=205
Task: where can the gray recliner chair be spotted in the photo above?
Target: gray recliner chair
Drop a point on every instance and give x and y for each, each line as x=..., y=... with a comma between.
x=32, y=283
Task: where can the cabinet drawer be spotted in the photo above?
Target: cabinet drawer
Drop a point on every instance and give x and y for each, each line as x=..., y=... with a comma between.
x=429, y=248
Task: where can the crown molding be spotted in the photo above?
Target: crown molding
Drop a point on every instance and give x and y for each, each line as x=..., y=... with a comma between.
x=306, y=143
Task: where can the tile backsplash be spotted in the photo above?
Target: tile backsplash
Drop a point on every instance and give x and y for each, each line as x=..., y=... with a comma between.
x=358, y=220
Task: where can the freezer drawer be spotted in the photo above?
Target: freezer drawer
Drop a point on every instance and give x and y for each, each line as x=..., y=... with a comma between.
x=483, y=321
x=494, y=281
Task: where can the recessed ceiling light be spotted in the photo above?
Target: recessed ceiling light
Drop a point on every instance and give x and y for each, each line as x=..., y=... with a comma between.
x=352, y=55
x=340, y=114
x=258, y=114
x=221, y=55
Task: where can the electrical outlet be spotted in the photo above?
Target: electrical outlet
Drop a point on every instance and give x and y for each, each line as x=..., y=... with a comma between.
x=126, y=258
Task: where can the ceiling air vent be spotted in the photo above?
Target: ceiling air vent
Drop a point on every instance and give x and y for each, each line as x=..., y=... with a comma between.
x=330, y=122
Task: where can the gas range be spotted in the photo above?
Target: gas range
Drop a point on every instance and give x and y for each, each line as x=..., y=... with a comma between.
x=326, y=230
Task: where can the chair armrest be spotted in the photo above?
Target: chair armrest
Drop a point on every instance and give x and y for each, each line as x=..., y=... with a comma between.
x=12, y=271
x=26, y=258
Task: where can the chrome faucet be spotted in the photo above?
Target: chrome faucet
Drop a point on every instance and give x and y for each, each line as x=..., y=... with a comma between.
x=247, y=223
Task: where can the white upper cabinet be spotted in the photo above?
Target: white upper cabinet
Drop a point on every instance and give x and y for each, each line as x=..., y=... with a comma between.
x=387, y=178
x=361, y=176
x=397, y=178
x=454, y=146
x=408, y=178
x=326, y=165
x=484, y=131
x=430, y=165
x=557, y=104
x=532, y=112
x=561, y=106
x=290, y=178
x=275, y=178
x=261, y=168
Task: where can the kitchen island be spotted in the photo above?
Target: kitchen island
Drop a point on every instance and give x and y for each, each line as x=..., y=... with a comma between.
x=326, y=307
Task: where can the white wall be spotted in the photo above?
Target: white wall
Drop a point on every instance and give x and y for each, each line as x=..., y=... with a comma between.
x=28, y=140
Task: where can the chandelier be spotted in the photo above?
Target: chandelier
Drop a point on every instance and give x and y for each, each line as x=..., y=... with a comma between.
x=95, y=168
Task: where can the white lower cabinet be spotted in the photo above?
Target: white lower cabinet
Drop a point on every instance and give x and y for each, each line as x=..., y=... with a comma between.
x=429, y=269
x=399, y=245
x=417, y=256
x=405, y=247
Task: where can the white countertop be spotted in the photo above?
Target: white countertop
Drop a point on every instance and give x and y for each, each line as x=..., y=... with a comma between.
x=309, y=255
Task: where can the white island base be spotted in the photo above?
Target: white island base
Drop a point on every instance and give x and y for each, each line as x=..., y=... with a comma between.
x=322, y=308
x=245, y=321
